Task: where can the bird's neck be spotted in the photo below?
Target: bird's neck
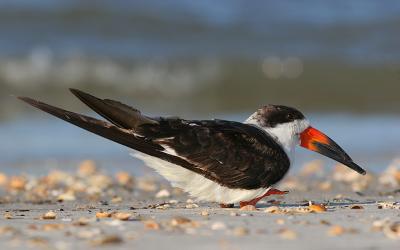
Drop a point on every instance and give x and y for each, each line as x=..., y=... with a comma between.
x=286, y=134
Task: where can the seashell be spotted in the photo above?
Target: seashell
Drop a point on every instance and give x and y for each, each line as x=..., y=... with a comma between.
x=8, y=216
x=204, y=213
x=103, y=215
x=317, y=208
x=50, y=215
x=122, y=216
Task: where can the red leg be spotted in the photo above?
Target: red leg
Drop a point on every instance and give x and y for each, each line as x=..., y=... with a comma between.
x=222, y=205
x=275, y=191
x=272, y=191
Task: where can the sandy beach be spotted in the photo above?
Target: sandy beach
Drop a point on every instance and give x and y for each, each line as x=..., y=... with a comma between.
x=90, y=208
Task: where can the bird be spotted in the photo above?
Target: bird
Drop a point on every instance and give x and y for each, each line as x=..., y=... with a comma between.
x=222, y=161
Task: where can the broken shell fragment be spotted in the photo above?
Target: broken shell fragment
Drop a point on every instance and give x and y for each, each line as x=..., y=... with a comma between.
x=50, y=215
x=122, y=216
x=204, y=213
x=103, y=215
x=317, y=208
x=8, y=216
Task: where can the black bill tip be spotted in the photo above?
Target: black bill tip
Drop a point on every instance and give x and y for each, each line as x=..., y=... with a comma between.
x=356, y=168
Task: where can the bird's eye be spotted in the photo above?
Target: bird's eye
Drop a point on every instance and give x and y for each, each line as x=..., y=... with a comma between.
x=289, y=116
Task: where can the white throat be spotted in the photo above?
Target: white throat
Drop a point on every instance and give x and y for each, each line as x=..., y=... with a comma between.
x=286, y=134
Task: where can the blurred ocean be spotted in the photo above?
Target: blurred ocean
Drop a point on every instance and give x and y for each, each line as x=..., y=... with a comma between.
x=337, y=60
x=41, y=143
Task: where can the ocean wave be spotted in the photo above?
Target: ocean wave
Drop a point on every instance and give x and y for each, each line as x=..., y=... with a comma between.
x=41, y=68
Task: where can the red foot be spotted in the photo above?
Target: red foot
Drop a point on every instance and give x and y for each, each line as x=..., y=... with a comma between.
x=272, y=191
x=222, y=205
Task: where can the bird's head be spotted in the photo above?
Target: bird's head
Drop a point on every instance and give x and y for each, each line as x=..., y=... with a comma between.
x=291, y=128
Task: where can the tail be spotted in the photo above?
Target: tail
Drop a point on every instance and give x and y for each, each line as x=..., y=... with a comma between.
x=124, y=121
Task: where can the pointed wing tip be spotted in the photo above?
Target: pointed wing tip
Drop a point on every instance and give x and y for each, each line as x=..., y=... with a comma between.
x=83, y=96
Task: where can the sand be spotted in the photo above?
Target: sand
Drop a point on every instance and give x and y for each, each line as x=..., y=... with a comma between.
x=123, y=212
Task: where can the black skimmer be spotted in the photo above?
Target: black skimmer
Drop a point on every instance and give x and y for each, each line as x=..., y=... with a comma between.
x=213, y=160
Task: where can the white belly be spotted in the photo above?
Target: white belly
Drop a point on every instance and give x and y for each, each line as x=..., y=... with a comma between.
x=196, y=185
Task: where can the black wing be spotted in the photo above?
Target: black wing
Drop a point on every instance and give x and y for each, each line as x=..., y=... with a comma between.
x=233, y=154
